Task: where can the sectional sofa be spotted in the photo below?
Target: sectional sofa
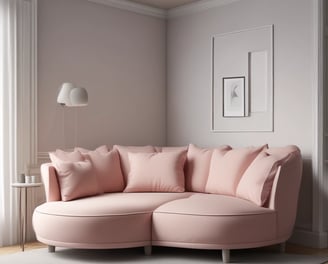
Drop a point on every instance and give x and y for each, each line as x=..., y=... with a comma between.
x=215, y=198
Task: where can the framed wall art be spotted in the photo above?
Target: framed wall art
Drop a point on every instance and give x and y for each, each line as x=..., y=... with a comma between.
x=242, y=80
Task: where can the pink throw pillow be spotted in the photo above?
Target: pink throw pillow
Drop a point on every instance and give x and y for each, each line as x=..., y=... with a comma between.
x=256, y=183
x=62, y=155
x=227, y=168
x=107, y=169
x=197, y=167
x=76, y=179
x=166, y=149
x=156, y=172
x=124, y=159
x=101, y=149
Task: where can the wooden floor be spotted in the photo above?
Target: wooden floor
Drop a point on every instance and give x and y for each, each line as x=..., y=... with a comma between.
x=16, y=248
x=290, y=248
x=295, y=249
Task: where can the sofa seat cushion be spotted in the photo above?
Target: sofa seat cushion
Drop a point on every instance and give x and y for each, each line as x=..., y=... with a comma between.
x=213, y=222
x=109, y=220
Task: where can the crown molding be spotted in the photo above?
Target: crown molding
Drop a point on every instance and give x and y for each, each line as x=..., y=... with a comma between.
x=197, y=7
x=134, y=7
x=161, y=13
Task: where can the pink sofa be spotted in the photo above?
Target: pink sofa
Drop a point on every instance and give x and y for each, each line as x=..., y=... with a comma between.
x=219, y=199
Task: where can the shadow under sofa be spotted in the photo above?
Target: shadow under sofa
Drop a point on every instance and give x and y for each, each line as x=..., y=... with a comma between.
x=187, y=219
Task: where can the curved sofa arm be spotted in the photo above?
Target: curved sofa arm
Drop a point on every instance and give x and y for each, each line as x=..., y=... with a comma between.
x=285, y=192
x=51, y=186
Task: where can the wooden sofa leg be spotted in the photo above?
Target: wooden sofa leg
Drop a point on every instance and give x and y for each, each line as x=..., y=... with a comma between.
x=147, y=250
x=282, y=247
x=51, y=249
x=226, y=255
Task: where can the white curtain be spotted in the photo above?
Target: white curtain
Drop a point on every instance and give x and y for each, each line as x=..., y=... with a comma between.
x=8, y=95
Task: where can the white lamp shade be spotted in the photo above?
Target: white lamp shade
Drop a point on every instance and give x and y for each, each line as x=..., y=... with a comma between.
x=78, y=97
x=72, y=96
x=63, y=97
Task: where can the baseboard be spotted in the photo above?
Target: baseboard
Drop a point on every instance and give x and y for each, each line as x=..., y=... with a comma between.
x=309, y=238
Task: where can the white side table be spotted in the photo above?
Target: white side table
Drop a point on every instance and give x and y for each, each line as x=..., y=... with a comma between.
x=22, y=187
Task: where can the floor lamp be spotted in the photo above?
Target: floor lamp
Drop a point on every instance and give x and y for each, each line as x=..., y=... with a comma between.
x=71, y=96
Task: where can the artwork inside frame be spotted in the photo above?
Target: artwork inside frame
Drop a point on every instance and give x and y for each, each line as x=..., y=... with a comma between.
x=233, y=96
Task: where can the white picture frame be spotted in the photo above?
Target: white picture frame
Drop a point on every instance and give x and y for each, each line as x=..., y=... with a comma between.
x=233, y=96
x=250, y=56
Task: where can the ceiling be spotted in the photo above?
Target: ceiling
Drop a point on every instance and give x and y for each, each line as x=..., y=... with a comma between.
x=164, y=4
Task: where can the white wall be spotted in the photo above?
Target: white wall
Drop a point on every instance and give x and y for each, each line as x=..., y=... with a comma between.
x=118, y=56
x=189, y=79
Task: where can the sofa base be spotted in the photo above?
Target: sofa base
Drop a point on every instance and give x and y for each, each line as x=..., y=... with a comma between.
x=147, y=250
x=224, y=252
x=219, y=246
x=54, y=244
x=225, y=249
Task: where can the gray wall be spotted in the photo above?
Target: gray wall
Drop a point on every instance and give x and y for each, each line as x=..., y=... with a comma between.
x=189, y=79
x=118, y=56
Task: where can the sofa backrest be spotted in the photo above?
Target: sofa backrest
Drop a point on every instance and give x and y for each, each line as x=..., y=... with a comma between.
x=50, y=182
x=285, y=182
x=285, y=190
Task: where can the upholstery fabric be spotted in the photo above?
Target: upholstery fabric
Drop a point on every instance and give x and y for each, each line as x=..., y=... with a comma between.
x=212, y=205
x=107, y=169
x=76, y=179
x=110, y=204
x=212, y=221
x=156, y=172
x=285, y=189
x=256, y=183
x=166, y=149
x=50, y=182
x=227, y=168
x=283, y=151
x=197, y=167
x=101, y=149
x=124, y=159
x=187, y=219
x=61, y=155
x=111, y=220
